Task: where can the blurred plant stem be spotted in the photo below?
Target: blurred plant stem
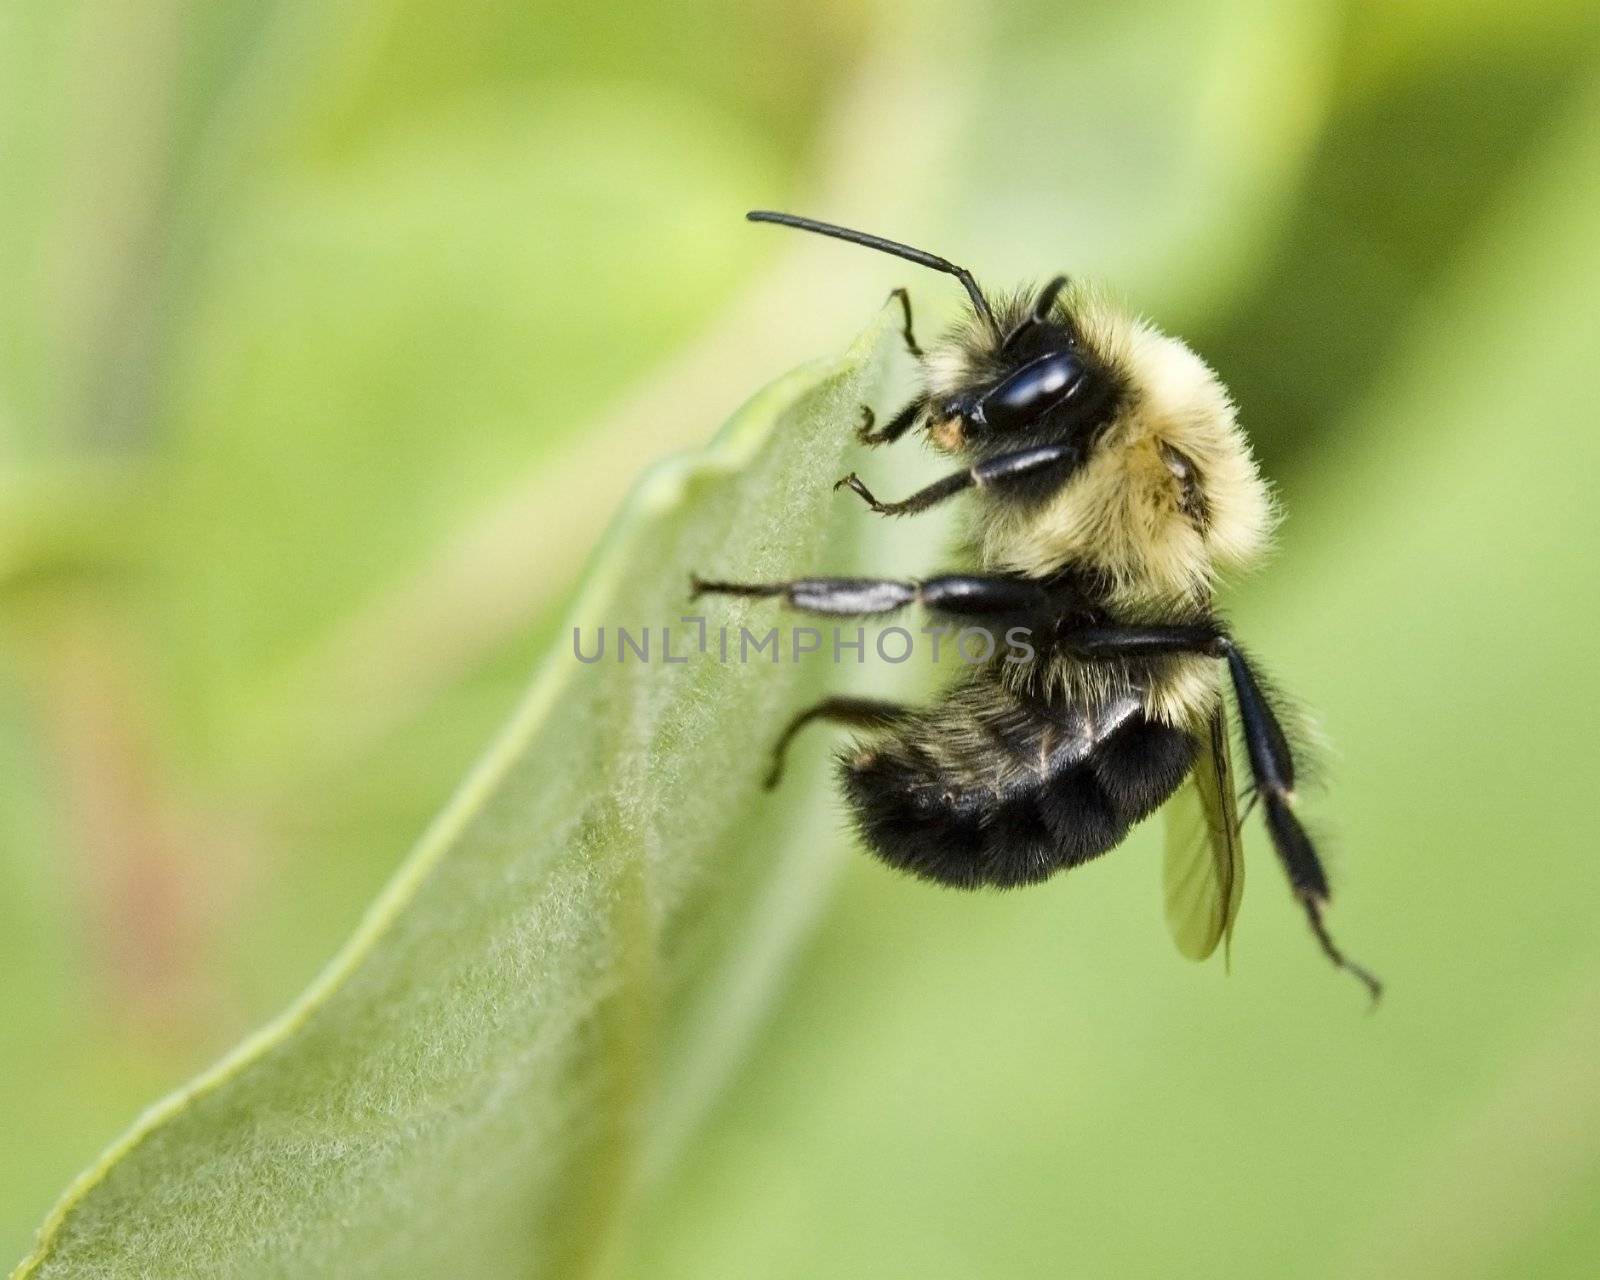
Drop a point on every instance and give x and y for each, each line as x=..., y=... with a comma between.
x=150, y=902
x=137, y=182
x=143, y=178
x=109, y=242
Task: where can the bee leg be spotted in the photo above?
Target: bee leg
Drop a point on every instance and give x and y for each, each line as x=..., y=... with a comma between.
x=897, y=427
x=1142, y=642
x=863, y=713
x=1271, y=761
x=905, y=329
x=960, y=595
x=1272, y=766
x=832, y=597
x=1026, y=473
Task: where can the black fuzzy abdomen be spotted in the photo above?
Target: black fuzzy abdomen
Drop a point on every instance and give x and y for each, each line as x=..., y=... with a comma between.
x=935, y=823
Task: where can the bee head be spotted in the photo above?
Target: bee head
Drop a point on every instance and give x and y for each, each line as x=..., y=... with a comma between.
x=1015, y=376
x=1028, y=375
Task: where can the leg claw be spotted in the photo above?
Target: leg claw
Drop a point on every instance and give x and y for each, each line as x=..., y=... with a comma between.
x=853, y=483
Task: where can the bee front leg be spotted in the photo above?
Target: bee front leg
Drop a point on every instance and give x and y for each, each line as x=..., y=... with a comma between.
x=1025, y=473
x=905, y=329
x=897, y=426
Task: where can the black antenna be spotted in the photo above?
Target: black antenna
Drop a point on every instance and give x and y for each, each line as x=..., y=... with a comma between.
x=919, y=256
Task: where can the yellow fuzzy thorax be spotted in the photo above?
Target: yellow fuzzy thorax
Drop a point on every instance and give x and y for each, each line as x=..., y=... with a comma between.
x=1124, y=517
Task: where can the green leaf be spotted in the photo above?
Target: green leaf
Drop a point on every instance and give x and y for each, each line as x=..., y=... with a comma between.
x=532, y=1012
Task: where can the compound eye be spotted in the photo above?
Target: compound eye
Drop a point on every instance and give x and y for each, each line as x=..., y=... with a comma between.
x=1032, y=390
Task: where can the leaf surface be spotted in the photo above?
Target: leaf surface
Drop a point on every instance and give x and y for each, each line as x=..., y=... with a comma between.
x=473, y=1086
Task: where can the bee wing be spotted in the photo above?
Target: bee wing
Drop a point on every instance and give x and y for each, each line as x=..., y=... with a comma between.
x=1203, y=870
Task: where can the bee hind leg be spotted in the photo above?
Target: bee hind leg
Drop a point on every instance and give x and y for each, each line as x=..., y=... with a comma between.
x=860, y=713
x=1272, y=766
x=1272, y=763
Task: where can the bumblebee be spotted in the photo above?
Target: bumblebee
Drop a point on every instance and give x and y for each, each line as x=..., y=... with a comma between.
x=1109, y=485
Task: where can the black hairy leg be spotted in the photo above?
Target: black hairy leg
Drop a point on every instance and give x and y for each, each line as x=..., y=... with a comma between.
x=991, y=789
x=869, y=434
x=861, y=713
x=904, y=299
x=1272, y=765
x=956, y=594
x=1272, y=768
x=1025, y=475
x=1204, y=638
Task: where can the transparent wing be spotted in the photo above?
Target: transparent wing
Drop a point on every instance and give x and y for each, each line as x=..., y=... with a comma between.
x=1203, y=871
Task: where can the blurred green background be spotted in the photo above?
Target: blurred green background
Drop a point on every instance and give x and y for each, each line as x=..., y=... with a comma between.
x=332, y=334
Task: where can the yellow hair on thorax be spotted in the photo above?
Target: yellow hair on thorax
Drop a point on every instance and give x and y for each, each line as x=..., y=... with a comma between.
x=1124, y=514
